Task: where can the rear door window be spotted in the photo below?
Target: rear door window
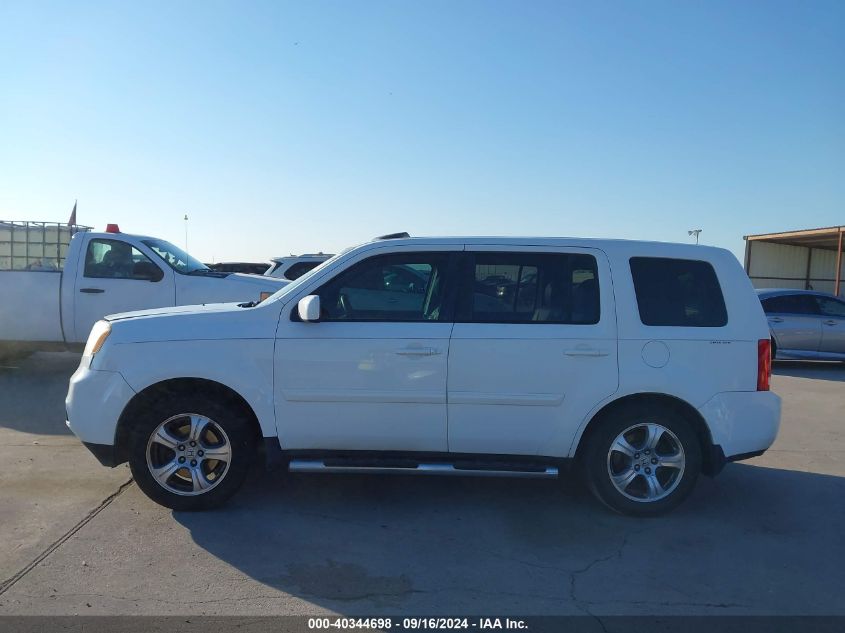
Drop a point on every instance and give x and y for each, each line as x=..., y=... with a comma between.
x=539, y=288
x=678, y=292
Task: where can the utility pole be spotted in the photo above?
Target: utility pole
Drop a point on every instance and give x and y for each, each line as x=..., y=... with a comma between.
x=692, y=232
x=186, y=232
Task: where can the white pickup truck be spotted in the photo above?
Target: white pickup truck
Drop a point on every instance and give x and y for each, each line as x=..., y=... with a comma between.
x=52, y=291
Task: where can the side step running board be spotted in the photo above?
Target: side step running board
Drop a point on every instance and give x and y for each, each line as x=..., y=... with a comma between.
x=319, y=466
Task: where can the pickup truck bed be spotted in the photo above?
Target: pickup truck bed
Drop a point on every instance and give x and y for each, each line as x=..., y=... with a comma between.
x=30, y=309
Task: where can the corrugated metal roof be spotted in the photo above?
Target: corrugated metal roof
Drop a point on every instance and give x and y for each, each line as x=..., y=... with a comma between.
x=827, y=237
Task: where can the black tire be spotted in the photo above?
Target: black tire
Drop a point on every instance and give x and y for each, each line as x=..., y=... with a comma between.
x=596, y=462
x=238, y=430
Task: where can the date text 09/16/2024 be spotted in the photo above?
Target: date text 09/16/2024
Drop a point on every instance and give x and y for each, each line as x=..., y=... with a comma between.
x=418, y=623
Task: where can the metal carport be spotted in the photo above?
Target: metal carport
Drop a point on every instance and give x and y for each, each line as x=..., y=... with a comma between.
x=808, y=259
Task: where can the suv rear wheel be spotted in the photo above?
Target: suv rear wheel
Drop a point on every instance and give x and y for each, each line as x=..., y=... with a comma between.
x=642, y=460
x=189, y=453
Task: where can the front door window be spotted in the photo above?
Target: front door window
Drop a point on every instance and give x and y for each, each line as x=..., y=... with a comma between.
x=388, y=288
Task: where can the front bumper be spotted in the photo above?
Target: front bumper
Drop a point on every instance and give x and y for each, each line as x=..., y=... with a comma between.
x=94, y=402
x=743, y=423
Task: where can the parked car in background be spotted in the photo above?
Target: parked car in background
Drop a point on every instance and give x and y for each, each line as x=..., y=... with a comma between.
x=52, y=297
x=250, y=268
x=804, y=324
x=294, y=266
x=637, y=364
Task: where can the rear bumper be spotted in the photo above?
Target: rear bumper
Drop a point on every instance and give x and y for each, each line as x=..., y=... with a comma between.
x=94, y=402
x=742, y=424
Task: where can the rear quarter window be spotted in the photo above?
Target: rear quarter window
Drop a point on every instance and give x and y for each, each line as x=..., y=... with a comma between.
x=678, y=292
x=300, y=268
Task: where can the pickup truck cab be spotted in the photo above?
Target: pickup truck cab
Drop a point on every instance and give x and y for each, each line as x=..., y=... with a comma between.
x=638, y=364
x=104, y=273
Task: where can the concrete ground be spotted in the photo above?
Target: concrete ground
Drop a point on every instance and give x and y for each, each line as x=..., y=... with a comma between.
x=765, y=537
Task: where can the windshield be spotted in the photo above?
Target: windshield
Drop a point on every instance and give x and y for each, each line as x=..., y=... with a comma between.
x=175, y=257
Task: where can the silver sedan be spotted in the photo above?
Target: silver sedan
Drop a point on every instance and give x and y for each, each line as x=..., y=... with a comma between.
x=804, y=324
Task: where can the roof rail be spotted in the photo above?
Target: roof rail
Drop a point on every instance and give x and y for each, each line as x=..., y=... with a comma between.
x=393, y=236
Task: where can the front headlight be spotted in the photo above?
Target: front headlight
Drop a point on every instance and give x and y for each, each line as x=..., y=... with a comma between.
x=99, y=333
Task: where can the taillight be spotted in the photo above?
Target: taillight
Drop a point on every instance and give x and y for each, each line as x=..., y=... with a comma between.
x=764, y=364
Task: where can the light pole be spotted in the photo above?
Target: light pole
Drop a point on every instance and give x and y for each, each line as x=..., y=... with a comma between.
x=692, y=232
x=186, y=232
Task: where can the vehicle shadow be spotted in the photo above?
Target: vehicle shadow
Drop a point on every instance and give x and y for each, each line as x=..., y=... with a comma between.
x=754, y=540
x=818, y=370
x=33, y=390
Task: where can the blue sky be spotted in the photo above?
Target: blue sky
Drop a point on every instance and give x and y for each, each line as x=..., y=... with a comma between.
x=280, y=126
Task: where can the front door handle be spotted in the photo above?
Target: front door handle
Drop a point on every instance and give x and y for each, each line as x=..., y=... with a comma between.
x=586, y=352
x=830, y=322
x=418, y=351
x=775, y=320
x=91, y=290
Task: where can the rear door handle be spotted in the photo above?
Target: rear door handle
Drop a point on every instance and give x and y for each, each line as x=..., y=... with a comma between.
x=830, y=322
x=586, y=352
x=91, y=290
x=775, y=320
x=418, y=351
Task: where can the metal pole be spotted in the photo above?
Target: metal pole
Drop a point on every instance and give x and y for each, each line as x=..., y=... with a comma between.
x=809, y=265
x=186, y=232
x=838, y=263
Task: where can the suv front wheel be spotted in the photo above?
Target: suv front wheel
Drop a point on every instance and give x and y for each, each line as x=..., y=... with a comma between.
x=642, y=460
x=189, y=453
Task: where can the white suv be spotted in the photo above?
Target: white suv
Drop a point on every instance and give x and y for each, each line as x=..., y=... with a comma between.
x=293, y=267
x=638, y=364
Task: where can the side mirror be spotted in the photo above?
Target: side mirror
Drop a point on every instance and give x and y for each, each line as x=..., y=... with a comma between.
x=309, y=309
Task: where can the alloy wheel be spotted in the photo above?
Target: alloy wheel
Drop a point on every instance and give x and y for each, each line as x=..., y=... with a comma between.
x=188, y=454
x=646, y=462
